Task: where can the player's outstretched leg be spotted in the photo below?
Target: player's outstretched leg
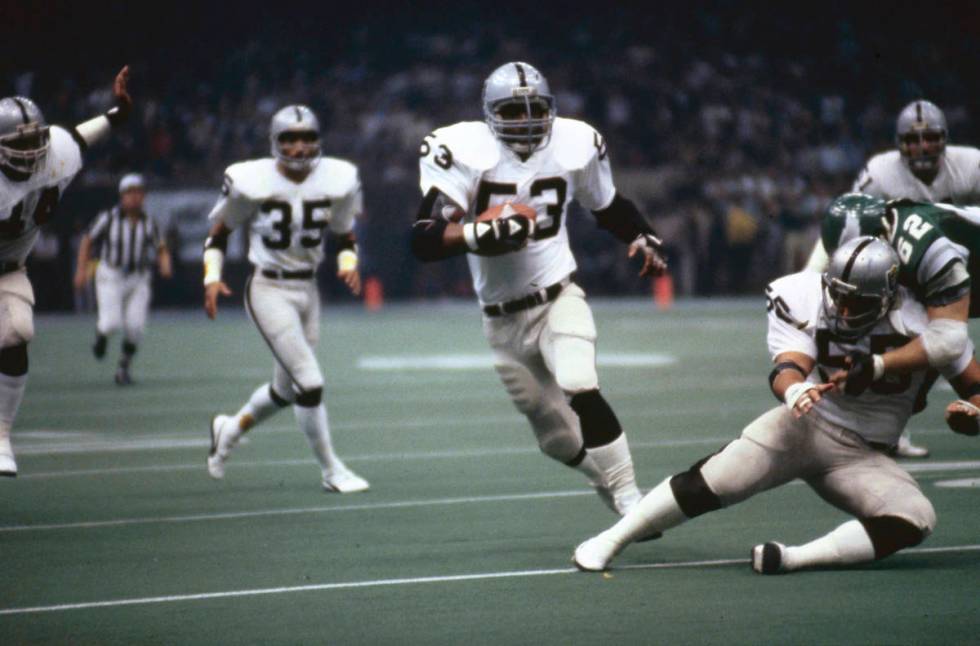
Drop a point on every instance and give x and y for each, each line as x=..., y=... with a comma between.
x=13, y=381
x=311, y=415
x=849, y=544
x=655, y=513
x=226, y=430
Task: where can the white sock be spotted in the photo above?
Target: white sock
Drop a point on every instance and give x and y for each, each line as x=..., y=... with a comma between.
x=313, y=422
x=846, y=545
x=257, y=409
x=615, y=463
x=657, y=511
x=11, y=394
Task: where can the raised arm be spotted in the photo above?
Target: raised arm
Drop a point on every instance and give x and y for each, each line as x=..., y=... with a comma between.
x=94, y=130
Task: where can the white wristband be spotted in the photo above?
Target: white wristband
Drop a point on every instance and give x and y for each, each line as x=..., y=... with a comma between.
x=94, y=130
x=346, y=260
x=878, y=362
x=469, y=235
x=795, y=391
x=213, y=261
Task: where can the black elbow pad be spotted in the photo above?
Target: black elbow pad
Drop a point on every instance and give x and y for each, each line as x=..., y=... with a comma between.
x=622, y=219
x=427, y=240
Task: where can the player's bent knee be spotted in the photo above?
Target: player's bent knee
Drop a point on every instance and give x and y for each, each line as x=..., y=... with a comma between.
x=598, y=421
x=692, y=493
x=13, y=360
x=277, y=399
x=19, y=326
x=309, y=398
x=890, y=534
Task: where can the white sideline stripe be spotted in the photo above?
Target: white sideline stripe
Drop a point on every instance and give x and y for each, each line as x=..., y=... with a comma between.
x=292, y=511
x=377, y=583
x=368, y=457
x=399, y=362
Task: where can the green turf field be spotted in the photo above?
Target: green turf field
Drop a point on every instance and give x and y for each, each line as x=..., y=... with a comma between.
x=114, y=533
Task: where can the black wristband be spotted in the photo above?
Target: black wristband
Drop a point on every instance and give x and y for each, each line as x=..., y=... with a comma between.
x=781, y=366
x=118, y=114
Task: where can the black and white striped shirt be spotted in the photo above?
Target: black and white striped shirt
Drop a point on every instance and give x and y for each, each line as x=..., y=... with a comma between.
x=124, y=243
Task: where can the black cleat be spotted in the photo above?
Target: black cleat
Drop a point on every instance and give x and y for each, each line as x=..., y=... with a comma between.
x=768, y=558
x=122, y=377
x=98, y=348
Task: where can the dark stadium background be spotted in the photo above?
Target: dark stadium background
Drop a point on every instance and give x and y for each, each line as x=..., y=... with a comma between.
x=732, y=122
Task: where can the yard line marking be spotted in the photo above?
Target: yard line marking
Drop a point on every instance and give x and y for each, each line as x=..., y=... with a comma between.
x=369, y=457
x=292, y=511
x=377, y=583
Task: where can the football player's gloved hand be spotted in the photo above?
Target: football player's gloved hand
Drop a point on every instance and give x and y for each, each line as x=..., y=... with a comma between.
x=862, y=371
x=963, y=417
x=499, y=236
x=654, y=260
x=119, y=113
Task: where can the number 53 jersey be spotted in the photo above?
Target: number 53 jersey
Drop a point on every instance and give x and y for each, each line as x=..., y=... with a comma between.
x=287, y=218
x=798, y=323
x=475, y=170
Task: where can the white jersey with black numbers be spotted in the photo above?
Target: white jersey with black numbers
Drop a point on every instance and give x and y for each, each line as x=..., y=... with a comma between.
x=887, y=175
x=286, y=219
x=798, y=323
x=476, y=171
x=26, y=205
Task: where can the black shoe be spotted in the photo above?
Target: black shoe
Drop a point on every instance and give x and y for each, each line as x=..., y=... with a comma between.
x=122, y=377
x=98, y=348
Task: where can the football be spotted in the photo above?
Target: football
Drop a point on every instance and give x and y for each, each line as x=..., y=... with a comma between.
x=508, y=208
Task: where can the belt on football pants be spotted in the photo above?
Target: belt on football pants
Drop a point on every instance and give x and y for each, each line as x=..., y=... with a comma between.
x=304, y=274
x=7, y=267
x=534, y=299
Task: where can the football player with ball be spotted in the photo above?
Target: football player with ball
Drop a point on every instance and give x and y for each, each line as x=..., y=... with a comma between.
x=498, y=190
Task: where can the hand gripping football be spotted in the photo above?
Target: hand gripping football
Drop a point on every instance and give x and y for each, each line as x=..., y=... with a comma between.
x=508, y=208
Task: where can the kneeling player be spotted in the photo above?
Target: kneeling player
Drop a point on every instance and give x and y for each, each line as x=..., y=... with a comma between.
x=287, y=201
x=834, y=435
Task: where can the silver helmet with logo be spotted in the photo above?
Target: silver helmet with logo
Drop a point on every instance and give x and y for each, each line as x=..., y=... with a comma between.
x=920, y=134
x=296, y=123
x=519, y=107
x=859, y=286
x=24, y=136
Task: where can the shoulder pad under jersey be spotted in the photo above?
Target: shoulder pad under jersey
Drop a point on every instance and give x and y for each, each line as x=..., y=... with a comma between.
x=64, y=156
x=796, y=299
x=469, y=144
x=576, y=143
x=250, y=179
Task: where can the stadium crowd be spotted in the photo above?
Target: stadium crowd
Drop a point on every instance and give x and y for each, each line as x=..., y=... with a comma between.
x=734, y=128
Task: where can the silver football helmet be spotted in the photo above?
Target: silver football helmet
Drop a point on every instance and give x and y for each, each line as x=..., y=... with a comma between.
x=920, y=133
x=519, y=107
x=296, y=123
x=859, y=286
x=24, y=136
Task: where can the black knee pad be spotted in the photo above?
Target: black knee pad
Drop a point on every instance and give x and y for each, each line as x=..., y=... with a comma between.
x=13, y=360
x=692, y=493
x=276, y=398
x=129, y=348
x=890, y=533
x=310, y=398
x=599, y=423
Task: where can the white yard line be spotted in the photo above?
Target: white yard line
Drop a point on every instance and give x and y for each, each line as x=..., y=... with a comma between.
x=291, y=511
x=379, y=583
x=367, y=457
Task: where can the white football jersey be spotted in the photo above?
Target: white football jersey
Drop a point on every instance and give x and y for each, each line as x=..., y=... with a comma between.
x=286, y=218
x=476, y=171
x=25, y=206
x=797, y=323
x=958, y=181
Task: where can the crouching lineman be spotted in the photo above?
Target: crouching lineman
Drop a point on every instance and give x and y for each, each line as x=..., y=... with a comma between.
x=37, y=163
x=125, y=238
x=536, y=319
x=833, y=433
x=288, y=200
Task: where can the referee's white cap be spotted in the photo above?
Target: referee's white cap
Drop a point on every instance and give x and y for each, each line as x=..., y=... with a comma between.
x=131, y=181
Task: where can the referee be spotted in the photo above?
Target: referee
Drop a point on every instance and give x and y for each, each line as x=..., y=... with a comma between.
x=124, y=239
